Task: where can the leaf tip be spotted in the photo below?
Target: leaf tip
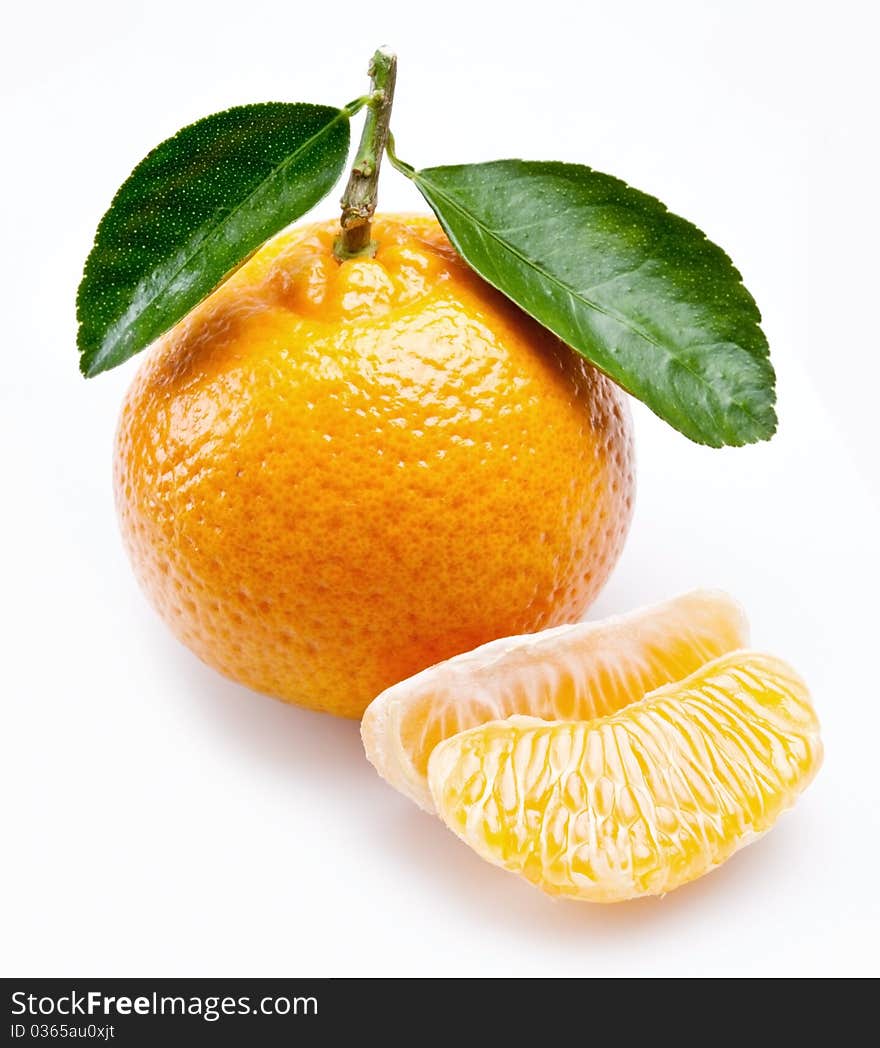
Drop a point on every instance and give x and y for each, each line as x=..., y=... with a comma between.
x=87, y=367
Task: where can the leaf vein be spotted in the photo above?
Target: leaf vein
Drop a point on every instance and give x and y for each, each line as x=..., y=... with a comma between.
x=624, y=322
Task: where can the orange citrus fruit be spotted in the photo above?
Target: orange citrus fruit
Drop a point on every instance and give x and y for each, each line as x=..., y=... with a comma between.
x=576, y=672
x=331, y=475
x=640, y=801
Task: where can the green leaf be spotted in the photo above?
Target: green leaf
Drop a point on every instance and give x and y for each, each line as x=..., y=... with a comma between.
x=639, y=292
x=193, y=210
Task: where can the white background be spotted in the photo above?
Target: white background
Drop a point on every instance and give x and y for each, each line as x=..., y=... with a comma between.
x=160, y=820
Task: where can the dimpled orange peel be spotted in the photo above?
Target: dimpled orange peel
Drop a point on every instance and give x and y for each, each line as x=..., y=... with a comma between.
x=640, y=801
x=331, y=475
x=576, y=672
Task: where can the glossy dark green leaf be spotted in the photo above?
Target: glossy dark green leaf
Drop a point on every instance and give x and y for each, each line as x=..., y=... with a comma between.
x=193, y=210
x=639, y=292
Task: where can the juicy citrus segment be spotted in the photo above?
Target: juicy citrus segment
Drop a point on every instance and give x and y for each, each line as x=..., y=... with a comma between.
x=644, y=800
x=575, y=672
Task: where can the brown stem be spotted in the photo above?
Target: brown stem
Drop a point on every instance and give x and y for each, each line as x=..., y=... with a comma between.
x=359, y=199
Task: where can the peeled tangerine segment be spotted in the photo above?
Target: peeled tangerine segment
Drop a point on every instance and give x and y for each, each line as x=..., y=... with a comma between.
x=575, y=672
x=641, y=801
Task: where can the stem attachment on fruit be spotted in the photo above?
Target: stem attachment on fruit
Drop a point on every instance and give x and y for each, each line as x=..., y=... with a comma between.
x=359, y=199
